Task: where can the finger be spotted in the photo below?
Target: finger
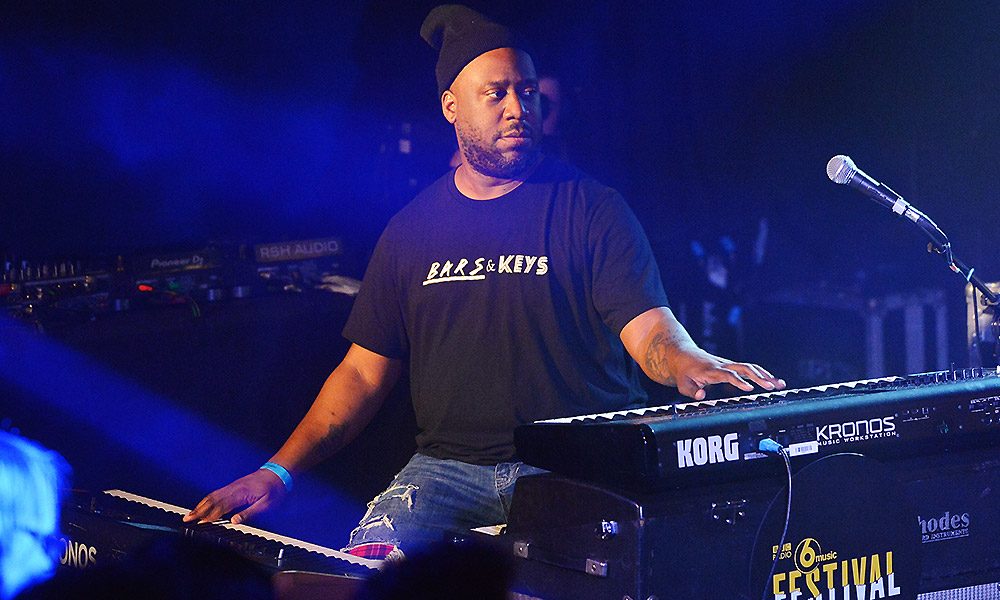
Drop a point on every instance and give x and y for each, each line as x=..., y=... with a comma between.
x=757, y=370
x=779, y=384
x=213, y=507
x=755, y=374
x=250, y=511
x=201, y=511
x=766, y=376
x=690, y=388
x=213, y=513
x=724, y=375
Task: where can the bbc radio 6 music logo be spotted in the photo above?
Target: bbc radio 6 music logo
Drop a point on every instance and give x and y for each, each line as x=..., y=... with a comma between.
x=820, y=573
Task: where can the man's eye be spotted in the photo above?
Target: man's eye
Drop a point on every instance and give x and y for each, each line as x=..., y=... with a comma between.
x=498, y=94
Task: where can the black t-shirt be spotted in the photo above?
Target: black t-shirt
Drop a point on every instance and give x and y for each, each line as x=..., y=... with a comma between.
x=509, y=310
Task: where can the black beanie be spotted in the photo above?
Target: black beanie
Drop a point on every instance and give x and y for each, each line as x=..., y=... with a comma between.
x=460, y=34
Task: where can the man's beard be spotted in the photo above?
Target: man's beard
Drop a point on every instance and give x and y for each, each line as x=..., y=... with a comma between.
x=490, y=161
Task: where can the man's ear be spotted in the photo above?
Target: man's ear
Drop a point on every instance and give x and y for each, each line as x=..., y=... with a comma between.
x=448, y=106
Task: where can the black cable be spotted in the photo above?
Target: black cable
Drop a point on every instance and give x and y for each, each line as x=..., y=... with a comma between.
x=975, y=317
x=775, y=448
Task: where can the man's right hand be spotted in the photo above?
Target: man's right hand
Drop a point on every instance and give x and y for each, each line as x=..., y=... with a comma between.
x=345, y=404
x=257, y=491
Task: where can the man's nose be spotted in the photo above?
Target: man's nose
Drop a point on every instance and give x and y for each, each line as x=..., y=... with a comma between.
x=516, y=107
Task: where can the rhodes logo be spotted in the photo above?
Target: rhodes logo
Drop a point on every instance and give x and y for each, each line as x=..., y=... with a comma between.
x=707, y=450
x=948, y=526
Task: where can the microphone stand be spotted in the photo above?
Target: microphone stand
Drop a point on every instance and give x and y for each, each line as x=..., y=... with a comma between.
x=842, y=170
x=940, y=244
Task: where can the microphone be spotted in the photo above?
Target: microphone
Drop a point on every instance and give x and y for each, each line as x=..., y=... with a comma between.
x=842, y=170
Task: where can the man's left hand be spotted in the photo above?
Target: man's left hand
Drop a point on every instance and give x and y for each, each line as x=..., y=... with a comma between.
x=666, y=353
x=693, y=370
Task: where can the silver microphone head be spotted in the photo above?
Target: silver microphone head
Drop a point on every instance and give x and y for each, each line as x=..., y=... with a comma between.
x=841, y=169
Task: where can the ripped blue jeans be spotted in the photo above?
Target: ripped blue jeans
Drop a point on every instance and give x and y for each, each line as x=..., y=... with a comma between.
x=432, y=497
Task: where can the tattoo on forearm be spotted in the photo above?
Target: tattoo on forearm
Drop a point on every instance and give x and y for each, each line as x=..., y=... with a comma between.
x=333, y=439
x=656, y=358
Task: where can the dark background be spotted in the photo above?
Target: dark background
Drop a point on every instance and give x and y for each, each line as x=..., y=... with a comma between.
x=131, y=126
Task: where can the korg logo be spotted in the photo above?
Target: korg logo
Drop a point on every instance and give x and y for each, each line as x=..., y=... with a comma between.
x=705, y=450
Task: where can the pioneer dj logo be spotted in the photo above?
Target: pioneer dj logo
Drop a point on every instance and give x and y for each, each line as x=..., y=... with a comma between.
x=707, y=450
x=195, y=260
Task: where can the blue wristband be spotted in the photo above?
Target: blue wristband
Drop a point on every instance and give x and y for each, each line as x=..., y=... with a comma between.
x=281, y=472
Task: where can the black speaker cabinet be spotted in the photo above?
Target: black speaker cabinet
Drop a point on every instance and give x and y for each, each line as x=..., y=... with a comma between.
x=576, y=540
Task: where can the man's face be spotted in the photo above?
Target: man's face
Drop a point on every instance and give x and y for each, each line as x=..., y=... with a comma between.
x=495, y=106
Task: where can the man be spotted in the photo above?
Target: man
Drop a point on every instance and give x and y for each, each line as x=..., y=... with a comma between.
x=513, y=287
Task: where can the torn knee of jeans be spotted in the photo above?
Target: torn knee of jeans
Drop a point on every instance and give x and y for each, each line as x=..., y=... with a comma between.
x=371, y=521
x=403, y=492
x=377, y=516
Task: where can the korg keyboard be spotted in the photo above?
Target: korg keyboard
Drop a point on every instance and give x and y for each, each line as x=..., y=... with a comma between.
x=716, y=440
